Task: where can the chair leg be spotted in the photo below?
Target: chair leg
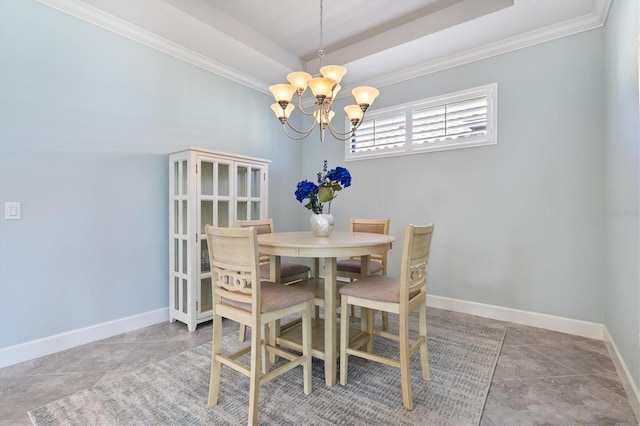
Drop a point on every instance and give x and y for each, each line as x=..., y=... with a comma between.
x=216, y=366
x=405, y=362
x=344, y=339
x=367, y=319
x=385, y=321
x=306, y=348
x=254, y=377
x=274, y=332
x=424, y=353
x=242, y=333
x=263, y=350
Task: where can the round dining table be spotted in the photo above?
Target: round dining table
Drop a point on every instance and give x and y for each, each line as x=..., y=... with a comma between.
x=338, y=244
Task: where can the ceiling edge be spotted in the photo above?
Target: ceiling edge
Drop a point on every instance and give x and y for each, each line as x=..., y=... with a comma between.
x=553, y=32
x=121, y=27
x=109, y=22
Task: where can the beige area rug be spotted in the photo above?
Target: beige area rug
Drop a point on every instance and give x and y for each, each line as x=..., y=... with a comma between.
x=173, y=391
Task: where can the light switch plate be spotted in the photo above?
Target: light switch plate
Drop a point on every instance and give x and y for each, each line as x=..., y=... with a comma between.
x=12, y=210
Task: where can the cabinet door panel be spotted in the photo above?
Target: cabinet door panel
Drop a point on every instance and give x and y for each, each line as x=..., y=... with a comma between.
x=206, y=214
x=255, y=210
x=242, y=181
x=224, y=180
x=206, y=300
x=206, y=178
x=224, y=214
x=256, y=181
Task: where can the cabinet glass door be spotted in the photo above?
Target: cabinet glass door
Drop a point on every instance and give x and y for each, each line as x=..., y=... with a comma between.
x=249, y=189
x=256, y=192
x=242, y=192
x=214, y=189
x=224, y=193
x=179, y=183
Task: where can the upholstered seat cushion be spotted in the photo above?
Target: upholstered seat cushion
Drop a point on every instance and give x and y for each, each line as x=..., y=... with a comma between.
x=275, y=296
x=286, y=270
x=353, y=265
x=375, y=287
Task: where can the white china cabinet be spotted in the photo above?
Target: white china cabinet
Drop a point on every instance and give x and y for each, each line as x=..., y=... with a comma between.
x=206, y=187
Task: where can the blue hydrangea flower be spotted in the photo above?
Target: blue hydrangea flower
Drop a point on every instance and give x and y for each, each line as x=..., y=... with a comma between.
x=305, y=189
x=340, y=175
x=329, y=183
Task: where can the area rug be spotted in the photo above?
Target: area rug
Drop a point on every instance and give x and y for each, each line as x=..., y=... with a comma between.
x=462, y=358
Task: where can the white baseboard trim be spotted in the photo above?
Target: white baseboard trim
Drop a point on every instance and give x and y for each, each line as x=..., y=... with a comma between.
x=36, y=348
x=626, y=378
x=549, y=322
x=533, y=319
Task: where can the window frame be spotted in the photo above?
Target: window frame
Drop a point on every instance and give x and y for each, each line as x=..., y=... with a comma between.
x=490, y=91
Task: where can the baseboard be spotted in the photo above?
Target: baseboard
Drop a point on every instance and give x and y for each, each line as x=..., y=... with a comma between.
x=533, y=319
x=623, y=372
x=29, y=350
x=549, y=322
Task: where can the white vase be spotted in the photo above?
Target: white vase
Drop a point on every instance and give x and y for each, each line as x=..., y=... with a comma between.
x=321, y=224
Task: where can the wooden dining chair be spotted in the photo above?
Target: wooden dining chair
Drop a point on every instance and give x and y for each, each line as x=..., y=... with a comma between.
x=289, y=272
x=352, y=269
x=396, y=296
x=240, y=295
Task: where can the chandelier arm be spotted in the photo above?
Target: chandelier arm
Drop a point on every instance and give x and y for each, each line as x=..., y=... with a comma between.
x=350, y=133
x=339, y=135
x=302, y=109
x=294, y=137
x=335, y=131
x=302, y=132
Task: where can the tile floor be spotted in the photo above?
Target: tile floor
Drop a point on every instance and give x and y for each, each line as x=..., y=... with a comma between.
x=542, y=377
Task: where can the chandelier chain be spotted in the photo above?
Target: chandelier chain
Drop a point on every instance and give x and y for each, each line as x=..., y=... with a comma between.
x=321, y=52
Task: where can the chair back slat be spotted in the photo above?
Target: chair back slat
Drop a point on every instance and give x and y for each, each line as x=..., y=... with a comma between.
x=263, y=226
x=372, y=226
x=233, y=281
x=234, y=264
x=415, y=260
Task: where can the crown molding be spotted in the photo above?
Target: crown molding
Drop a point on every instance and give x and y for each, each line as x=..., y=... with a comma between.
x=532, y=38
x=121, y=27
x=109, y=22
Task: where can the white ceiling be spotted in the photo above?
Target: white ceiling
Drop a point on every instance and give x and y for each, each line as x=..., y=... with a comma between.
x=258, y=42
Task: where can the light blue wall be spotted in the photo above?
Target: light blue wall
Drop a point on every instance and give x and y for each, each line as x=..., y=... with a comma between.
x=87, y=118
x=518, y=224
x=622, y=179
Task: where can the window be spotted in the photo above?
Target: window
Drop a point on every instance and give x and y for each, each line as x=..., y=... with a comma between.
x=458, y=120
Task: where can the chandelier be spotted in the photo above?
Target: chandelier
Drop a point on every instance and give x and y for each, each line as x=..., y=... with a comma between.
x=324, y=89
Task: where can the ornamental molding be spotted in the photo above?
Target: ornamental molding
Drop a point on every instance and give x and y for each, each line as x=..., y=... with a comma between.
x=121, y=27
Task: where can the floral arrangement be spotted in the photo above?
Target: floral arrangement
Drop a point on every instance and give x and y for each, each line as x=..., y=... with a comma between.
x=329, y=183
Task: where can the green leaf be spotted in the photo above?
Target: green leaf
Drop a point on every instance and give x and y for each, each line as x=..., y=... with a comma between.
x=325, y=194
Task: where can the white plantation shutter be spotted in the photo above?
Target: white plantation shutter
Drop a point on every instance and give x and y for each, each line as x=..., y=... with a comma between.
x=388, y=131
x=459, y=120
x=450, y=121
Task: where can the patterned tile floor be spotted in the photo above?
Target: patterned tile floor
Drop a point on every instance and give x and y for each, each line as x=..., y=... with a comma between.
x=542, y=377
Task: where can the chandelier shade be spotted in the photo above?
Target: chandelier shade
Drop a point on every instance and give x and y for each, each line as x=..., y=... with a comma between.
x=334, y=72
x=324, y=90
x=299, y=80
x=282, y=114
x=364, y=96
